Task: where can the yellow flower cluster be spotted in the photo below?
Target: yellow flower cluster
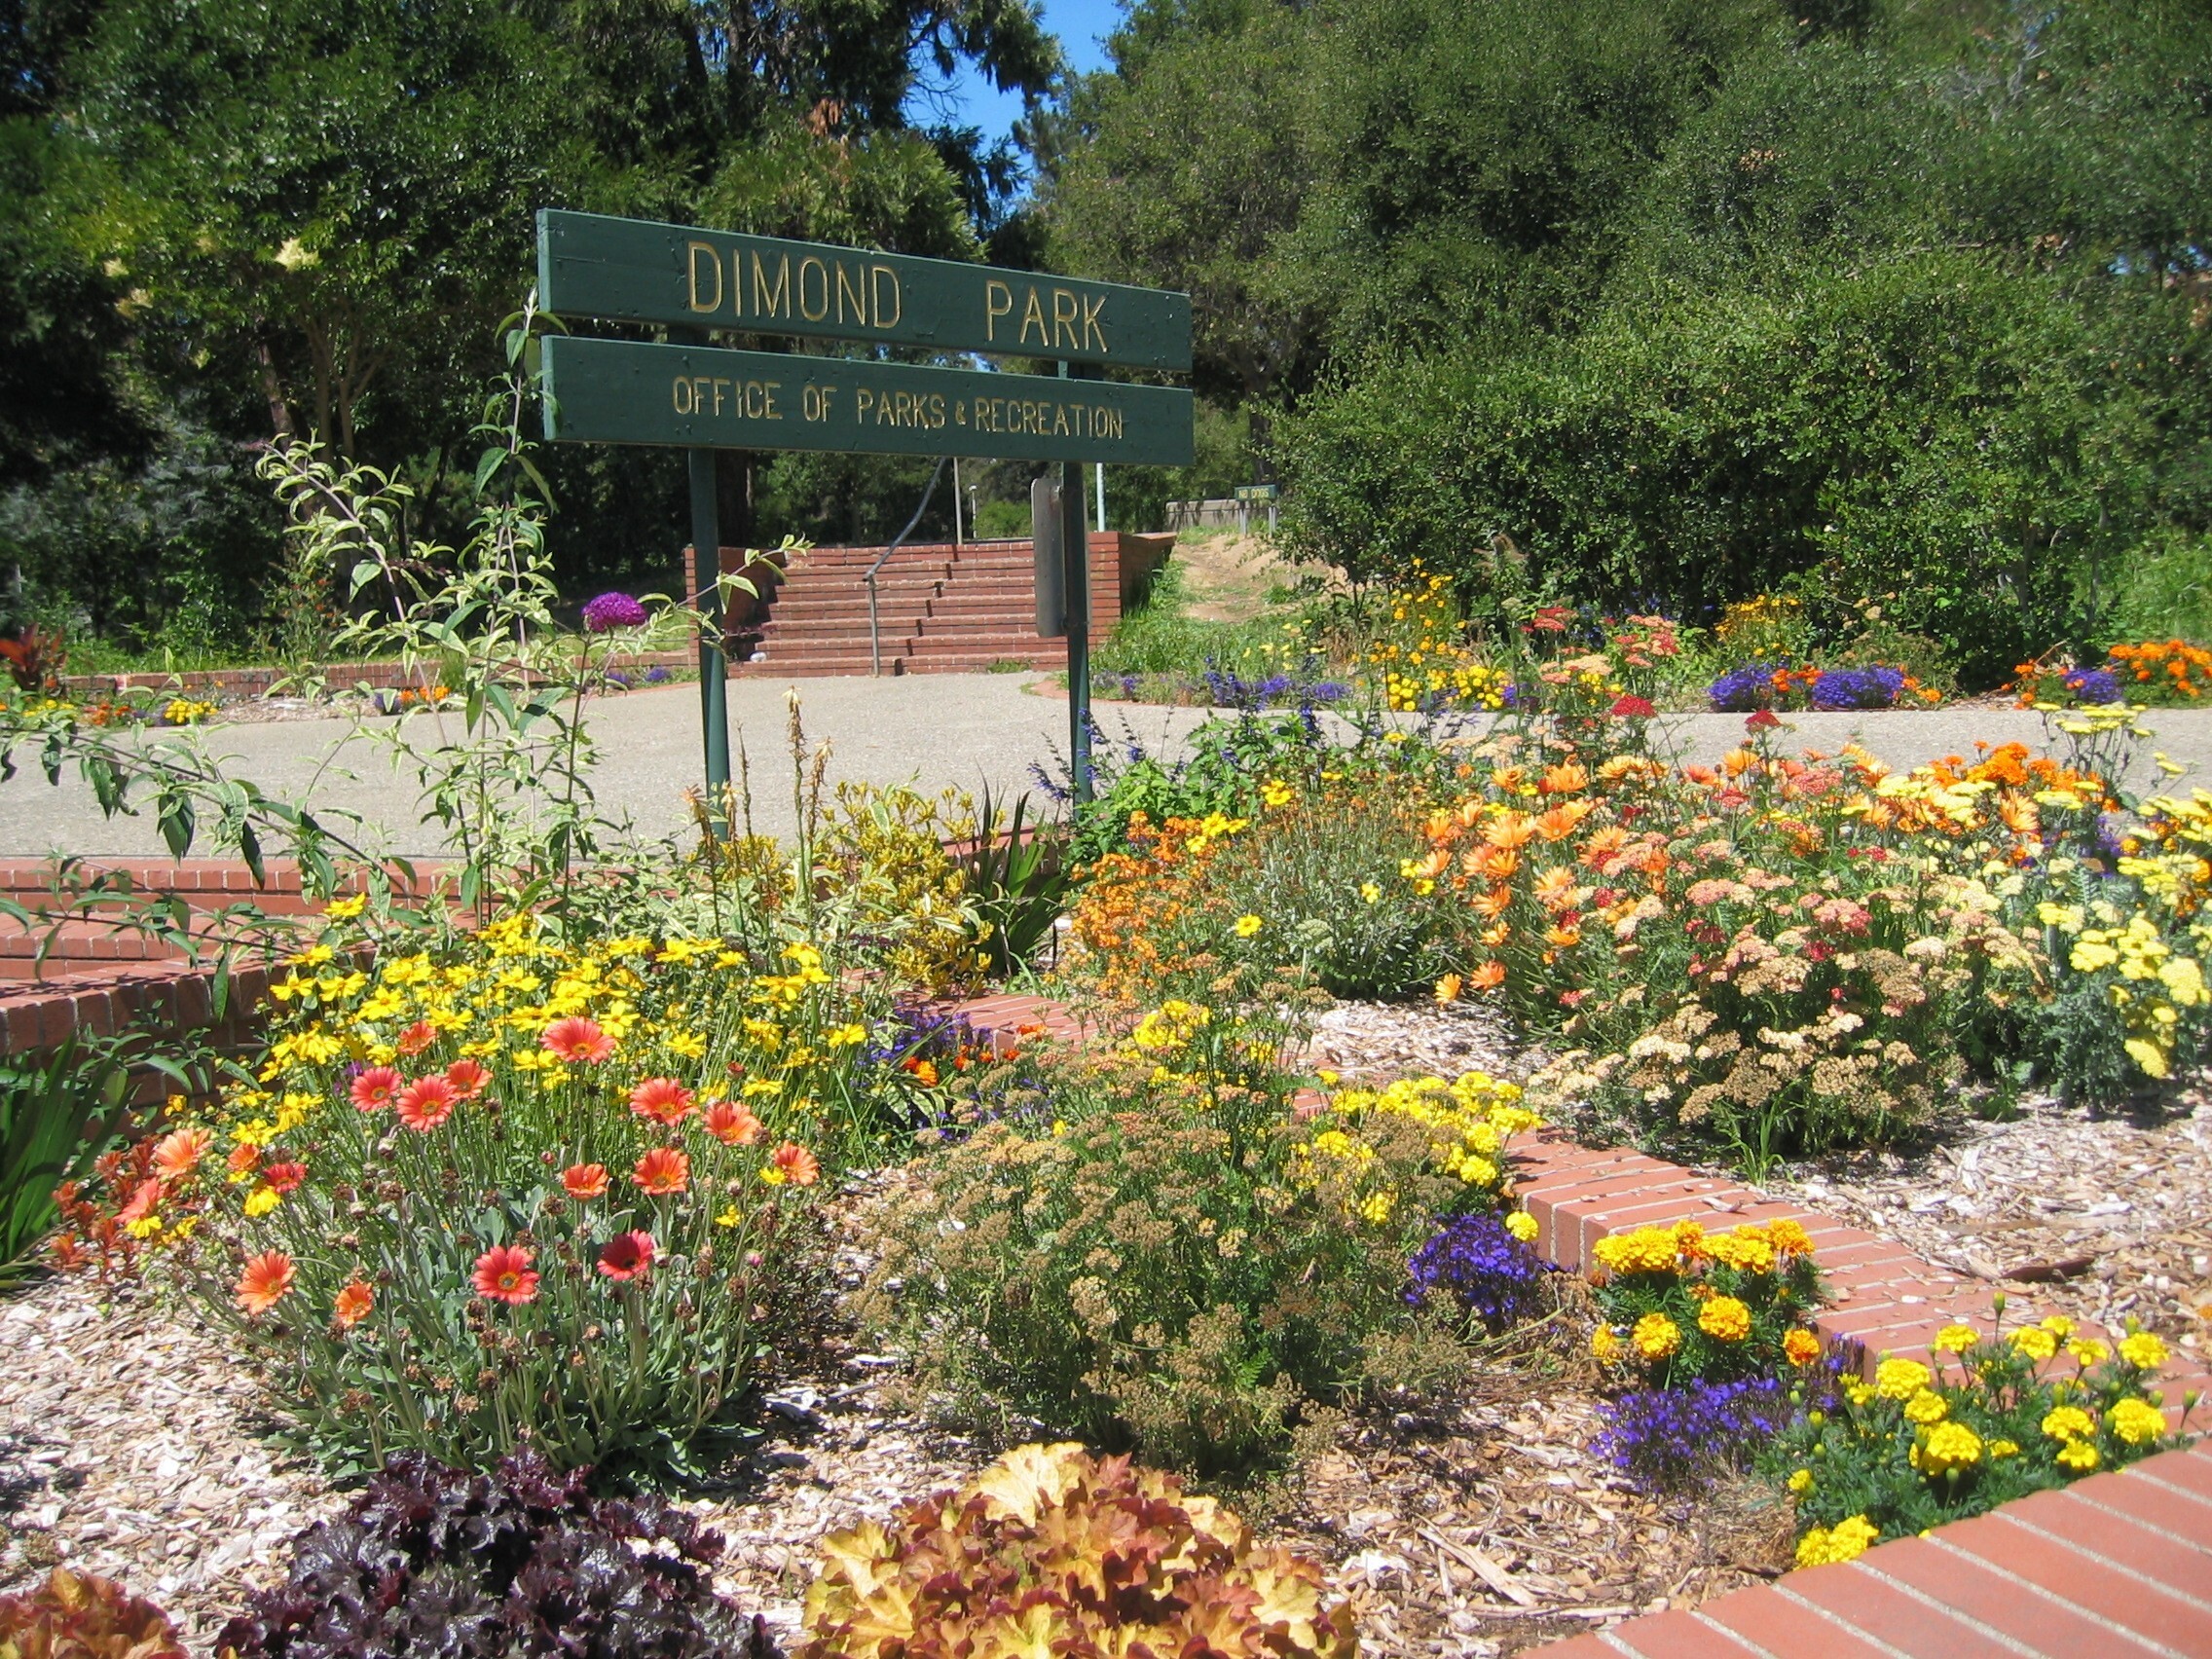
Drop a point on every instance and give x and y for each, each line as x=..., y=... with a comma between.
x=1425, y=658
x=1754, y=1248
x=1846, y=1541
x=1469, y=1120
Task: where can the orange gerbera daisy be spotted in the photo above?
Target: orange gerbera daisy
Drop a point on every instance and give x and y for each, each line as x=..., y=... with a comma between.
x=264, y=1282
x=468, y=1078
x=1562, y=820
x=352, y=1304
x=504, y=1273
x=731, y=1125
x=794, y=1163
x=1513, y=830
x=1495, y=863
x=425, y=1103
x=1568, y=778
x=662, y=1099
x=661, y=1171
x=179, y=1152
x=577, y=1039
x=415, y=1037
x=376, y=1088
x=1489, y=976
x=584, y=1181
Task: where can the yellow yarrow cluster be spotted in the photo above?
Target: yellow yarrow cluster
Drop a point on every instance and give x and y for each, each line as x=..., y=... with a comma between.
x=1469, y=1120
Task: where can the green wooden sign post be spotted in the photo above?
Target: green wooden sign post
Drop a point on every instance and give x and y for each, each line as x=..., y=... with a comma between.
x=699, y=397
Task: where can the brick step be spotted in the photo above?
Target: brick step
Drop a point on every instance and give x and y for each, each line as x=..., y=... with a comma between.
x=781, y=627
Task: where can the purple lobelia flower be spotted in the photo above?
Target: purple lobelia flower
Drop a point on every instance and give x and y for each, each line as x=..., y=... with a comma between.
x=2092, y=685
x=1874, y=687
x=611, y=610
x=1474, y=1259
x=1670, y=1437
x=1741, y=689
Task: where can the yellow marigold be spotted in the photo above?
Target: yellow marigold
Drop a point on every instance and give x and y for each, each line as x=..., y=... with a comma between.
x=2089, y=1352
x=1954, y=1339
x=1901, y=1379
x=1604, y=1345
x=1646, y=1250
x=2137, y=1421
x=2069, y=1422
x=1948, y=1447
x=1742, y=1250
x=1800, y=1481
x=2078, y=1456
x=1522, y=1225
x=1656, y=1336
x=2002, y=1449
x=1789, y=1238
x=1800, y=1348
x=1846, y=1541
x=2143, y=1350
x=2037, y=1343
x=2059, y=1326
x=1725, y=1319
x=1925, y=1407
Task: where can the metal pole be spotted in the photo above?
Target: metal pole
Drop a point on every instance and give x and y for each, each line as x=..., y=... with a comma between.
x=956, y=500
x=1075, y=564
x=713, y=678
x=1101, y=495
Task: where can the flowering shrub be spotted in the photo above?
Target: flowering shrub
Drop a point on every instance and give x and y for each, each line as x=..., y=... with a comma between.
x=517, y=1564
x=1680, y=1304
x=518, y=1191
x=1180, y=1262
x=2162, y=671
x=1922, y=1444
x=76, y=1615
x=1049, y=1546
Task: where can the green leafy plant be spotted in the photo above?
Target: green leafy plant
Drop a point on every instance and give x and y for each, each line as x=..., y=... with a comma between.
x=81, y=1616
x=1016, y=879
x=1050, y=1545
x=2026, y=1410
x=57, y=1112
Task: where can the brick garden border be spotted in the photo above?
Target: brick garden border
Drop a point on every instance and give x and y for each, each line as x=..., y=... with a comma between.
x=2116, y=1564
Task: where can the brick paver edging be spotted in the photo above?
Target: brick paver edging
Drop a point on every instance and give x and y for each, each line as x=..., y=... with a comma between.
x=2116, y=1564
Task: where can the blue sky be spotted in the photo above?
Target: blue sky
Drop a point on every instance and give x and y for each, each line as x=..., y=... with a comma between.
x=1081, y=24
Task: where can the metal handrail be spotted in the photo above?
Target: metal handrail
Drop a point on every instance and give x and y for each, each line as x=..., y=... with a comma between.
x=874, y=635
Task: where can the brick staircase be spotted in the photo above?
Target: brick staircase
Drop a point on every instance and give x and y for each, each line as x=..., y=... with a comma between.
x=942, y=610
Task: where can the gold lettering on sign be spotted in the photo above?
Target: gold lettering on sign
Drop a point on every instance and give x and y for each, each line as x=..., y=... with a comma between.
x=877, y=277
x=853, y=287
x=680, y=395
x=1092, y=307
x=862, y=399
x=1063, y=319
x=1033, y=312
x=714, y=260
x=772, y=298
x=994, y=293
x=807, y=307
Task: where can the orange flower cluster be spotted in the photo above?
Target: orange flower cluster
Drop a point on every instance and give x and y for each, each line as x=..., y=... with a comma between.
x=2164, y=667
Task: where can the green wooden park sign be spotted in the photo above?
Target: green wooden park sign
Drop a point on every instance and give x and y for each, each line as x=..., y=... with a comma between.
x=701, y=398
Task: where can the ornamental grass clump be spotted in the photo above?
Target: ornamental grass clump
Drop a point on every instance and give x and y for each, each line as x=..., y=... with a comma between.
x=1053, y=1551
x=517, y=1562
x=1991, y=1420
x=517, y=1192
x=1179, y=1262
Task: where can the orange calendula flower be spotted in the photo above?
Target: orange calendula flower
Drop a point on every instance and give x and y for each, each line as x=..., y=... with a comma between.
x=584, y=1181
x=662, y=1171
x=425, y=1103
x=352, y=1304
x=504, y=1273
x=468, y=1078
x=179, y=1152
x=376, y=1088
x=576, y=1040
x=415, y=1037
x=264, y=1282
x=662, y=1099
x=793, y=1163
x=1513, y=830
x=731, y=1125
x=1557, y=824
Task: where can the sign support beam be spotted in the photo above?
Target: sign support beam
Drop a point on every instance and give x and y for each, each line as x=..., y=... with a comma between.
x=714, y=670
x=1075, y=564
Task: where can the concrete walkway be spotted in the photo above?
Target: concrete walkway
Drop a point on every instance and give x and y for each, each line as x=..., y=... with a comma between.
x=930, y=729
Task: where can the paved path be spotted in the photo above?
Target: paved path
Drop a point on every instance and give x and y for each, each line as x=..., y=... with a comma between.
x=931, y=729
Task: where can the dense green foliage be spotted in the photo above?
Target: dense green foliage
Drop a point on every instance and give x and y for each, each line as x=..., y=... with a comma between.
x=225, y=223
x=1664, y=306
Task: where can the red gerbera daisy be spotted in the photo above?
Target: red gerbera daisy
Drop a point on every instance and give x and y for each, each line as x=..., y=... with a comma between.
x=426, y=1102
x=266, y=1280
x=585, y=1180
x=577, y=1040
x=141, y=1204
x=285, y=1176
x=375, y=1088
x=661, y=1171
x=627, y=1255
x=504, y=1273
x=662, y=1099
x=797, y=1165
x=415, y=1037
x=731, y=1125
x=468, y=1078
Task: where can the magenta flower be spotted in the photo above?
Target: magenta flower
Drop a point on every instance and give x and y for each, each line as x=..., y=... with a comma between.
x=610, y=611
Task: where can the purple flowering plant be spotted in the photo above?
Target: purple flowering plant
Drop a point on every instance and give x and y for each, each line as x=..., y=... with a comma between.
x=1474, y=1262
x=613, y=610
